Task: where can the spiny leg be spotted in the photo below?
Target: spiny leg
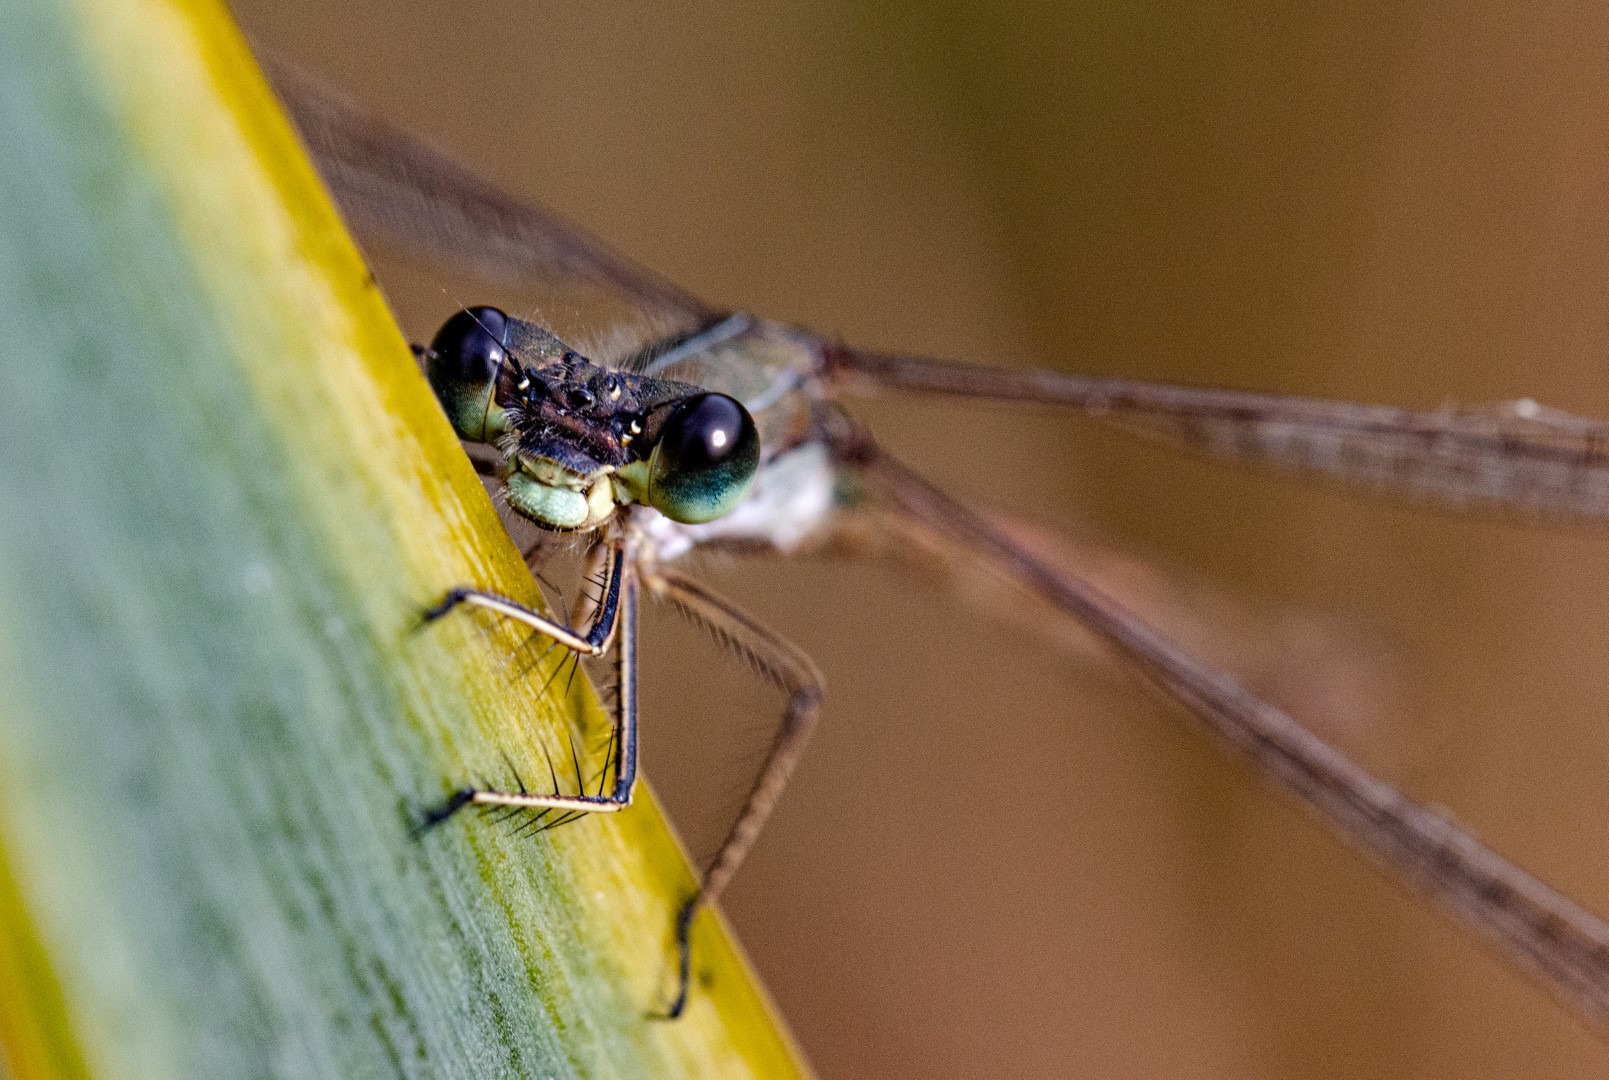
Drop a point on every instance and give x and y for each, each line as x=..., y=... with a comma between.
x=595, y=642
x=594, y=572
x=790, y=671
x=615, y=625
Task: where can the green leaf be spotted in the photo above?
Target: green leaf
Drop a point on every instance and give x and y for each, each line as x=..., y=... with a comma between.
x=226, y=494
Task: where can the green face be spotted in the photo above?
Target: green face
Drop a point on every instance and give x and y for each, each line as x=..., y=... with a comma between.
x=558, y=499
x=581, y=439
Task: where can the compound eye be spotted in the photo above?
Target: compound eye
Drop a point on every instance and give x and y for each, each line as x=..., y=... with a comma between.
x=704, y=460
x=463, y=365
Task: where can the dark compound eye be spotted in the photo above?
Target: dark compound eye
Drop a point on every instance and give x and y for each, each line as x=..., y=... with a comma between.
x=463, y=365
x=705, y=459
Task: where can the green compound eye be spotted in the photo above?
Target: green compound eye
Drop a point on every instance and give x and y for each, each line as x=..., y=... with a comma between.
x=464, y=362
x=705, y=459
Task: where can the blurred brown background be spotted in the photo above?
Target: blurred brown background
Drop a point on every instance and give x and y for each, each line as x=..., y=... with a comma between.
x=1405, y=203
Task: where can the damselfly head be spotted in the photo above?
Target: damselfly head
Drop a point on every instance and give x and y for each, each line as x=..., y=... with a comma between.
x=580, y=440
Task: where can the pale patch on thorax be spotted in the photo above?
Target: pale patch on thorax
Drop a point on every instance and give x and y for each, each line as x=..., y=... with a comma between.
x=791, y=503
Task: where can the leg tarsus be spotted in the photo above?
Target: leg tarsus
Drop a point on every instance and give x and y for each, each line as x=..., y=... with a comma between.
x=439, y=813
x=684, y=958
x=448, y=602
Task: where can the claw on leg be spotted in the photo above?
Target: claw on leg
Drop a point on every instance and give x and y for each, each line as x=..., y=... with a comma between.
x=684, y=958
x=435, y=815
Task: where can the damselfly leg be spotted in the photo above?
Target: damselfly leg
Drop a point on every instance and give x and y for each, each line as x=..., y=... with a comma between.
x=792, y=672
x=614, y=624
x=772, y=657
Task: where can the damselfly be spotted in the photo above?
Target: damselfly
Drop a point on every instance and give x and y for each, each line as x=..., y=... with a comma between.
x=727, y=431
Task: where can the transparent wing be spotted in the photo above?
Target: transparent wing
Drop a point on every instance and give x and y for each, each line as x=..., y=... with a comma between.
x=1516, y=456
x=404, y=198
x=1562, y=946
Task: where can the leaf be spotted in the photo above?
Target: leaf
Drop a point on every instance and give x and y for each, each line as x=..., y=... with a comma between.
x=225, y=497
